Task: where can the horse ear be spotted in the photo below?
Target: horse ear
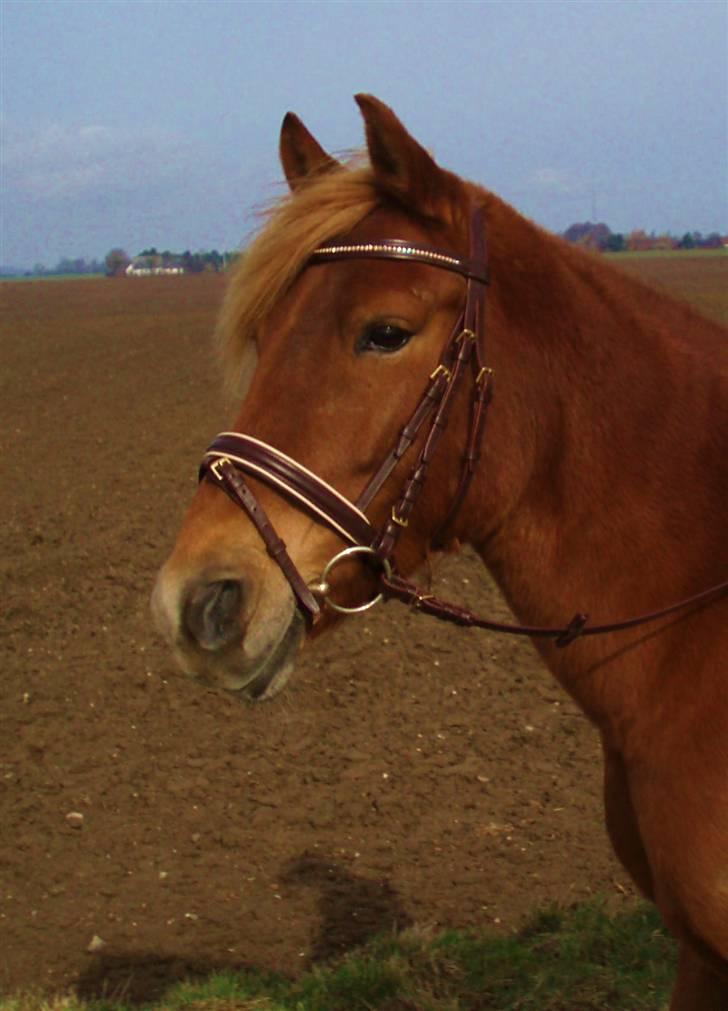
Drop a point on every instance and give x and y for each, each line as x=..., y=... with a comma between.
x=402, y=166
x=302, y=156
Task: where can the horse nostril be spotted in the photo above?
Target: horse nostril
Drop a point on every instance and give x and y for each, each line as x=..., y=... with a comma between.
x=212, y=614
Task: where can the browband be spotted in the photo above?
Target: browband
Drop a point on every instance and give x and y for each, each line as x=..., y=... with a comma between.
x=400, y=249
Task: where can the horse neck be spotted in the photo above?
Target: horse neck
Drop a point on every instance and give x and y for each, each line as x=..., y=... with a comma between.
x=603, y=481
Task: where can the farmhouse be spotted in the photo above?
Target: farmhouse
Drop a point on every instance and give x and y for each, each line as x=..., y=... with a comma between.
x=144, y=266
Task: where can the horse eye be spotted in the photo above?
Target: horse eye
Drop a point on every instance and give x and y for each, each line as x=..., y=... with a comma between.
x=383, y=337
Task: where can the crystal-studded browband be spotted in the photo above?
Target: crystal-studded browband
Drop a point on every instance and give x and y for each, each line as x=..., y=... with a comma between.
x=398, y=249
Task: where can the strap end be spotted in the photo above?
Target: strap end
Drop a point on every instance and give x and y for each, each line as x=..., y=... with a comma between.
x=573, y=630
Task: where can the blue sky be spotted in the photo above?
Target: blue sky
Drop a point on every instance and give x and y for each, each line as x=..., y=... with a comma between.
x=140, y=123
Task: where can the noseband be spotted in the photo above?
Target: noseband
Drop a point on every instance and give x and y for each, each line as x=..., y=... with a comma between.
x=231, y=455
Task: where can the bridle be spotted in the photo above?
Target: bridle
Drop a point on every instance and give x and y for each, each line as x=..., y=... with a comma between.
x=232, y=454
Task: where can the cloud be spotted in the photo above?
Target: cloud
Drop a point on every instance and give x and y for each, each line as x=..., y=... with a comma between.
x=60, y=161
x=556, y=181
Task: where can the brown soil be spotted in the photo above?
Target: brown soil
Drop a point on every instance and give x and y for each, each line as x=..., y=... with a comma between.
x=412, y=772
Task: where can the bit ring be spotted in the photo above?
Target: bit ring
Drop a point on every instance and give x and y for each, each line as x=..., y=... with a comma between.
x=323, y=588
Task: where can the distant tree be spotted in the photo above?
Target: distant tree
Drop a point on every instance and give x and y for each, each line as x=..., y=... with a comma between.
x=193, y=263
x=664, y=242
x=78, y=265
x=687, y=241
x=116, y=262
x=589, y=235
x=615, y=243
x=576, y=232
x=638, y=241
x=214, y=261
x=713, y=241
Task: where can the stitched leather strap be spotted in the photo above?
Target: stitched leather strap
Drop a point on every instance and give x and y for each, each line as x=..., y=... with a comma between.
x=289, y=478
x=481, y=400
x=223, y=473
x=396, y=588
x=430, y=399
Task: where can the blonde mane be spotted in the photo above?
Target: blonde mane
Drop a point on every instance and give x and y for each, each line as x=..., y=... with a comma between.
x=328, y=206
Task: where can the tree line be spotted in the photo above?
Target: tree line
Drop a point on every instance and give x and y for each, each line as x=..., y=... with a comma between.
x=593, y=236
x=68, y=265
x=600, y=237
x=117, y=260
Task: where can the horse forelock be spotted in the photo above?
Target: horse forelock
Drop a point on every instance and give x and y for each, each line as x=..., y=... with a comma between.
x=327, y=207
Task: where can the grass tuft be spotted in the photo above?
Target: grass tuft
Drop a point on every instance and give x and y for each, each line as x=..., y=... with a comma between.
x=576, y=959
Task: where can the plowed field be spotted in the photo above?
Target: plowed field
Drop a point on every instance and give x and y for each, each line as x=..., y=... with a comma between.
x=411, y=773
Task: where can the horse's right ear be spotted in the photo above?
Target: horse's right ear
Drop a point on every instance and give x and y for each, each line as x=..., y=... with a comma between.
x=403, y=168
x=302, y=156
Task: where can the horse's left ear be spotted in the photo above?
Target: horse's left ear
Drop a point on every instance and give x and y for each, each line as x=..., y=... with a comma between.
x=301, y=154
x=402, y=166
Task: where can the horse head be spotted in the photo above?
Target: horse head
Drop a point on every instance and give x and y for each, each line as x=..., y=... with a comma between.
x=332, y=355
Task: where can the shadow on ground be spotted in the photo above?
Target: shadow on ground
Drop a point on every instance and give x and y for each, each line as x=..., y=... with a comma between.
x=351, y=910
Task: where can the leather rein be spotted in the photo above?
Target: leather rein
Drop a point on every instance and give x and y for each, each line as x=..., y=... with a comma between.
x=231, y=455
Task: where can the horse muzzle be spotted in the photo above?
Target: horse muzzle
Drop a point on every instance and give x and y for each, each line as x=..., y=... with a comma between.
x=237, y=633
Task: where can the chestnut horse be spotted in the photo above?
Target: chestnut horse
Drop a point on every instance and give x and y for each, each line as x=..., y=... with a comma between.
x=602, y=481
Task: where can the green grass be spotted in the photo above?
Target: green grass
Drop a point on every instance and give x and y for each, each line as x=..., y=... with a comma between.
x=578, y=959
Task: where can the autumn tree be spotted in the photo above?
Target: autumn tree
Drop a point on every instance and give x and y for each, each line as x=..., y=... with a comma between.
x=116, y=261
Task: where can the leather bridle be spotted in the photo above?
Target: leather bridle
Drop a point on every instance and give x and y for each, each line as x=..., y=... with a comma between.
x=231, y=455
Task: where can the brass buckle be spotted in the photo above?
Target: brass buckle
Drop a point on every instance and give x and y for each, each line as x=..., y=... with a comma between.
x=441, y=370
x=214, y=467
x=398, y=519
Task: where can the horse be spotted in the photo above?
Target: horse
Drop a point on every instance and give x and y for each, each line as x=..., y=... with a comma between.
x=386, y=309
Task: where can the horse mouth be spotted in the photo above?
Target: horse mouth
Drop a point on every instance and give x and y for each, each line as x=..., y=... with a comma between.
x=276, y=668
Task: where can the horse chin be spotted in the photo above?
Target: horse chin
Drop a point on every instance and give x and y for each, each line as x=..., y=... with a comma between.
x=273, y=673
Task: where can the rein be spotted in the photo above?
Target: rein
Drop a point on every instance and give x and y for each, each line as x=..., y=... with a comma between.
x=233, y=454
